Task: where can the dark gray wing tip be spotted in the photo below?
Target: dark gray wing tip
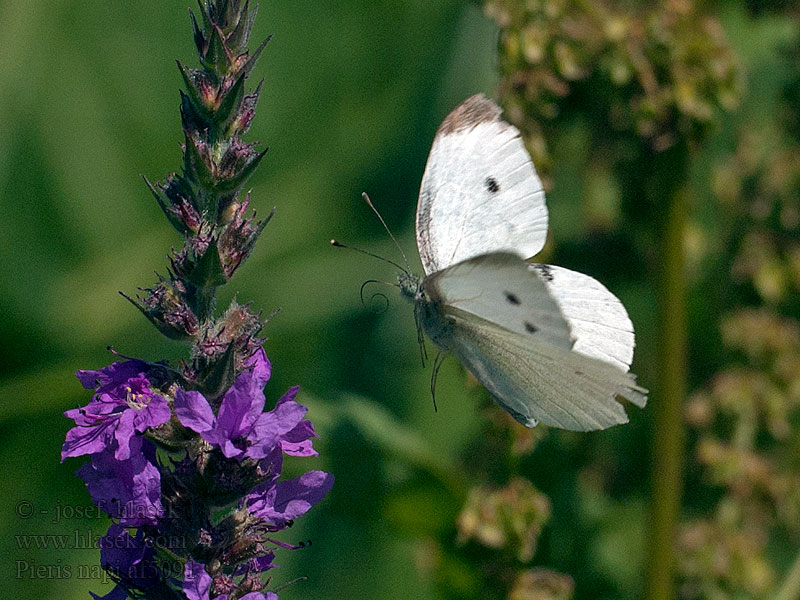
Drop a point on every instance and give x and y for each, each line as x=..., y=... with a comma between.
x=473, y=111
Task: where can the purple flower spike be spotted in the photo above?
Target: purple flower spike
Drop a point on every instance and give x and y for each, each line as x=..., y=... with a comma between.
x=179, y=494
x=122, y=407
x=287, y=500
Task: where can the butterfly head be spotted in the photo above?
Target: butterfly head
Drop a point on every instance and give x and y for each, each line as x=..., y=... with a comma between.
x=410, y=286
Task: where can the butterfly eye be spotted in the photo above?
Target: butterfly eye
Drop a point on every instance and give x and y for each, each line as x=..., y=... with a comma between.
x=492, y=185
x=530, y=327
x=511, y=298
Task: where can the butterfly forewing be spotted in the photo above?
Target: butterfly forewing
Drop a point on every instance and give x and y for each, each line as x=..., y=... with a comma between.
x=480, y=192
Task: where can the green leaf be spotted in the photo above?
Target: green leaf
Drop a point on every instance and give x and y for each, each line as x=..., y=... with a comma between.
x=165, y=205
x=208, y=271
x=236, y=183
x=229, y=107
x=225, y=13
x=251, y=62
x=195, y=166
x=220, y=377
x=240, y=36
x=198, y=101
x=199, y=39
x=217, y=59
x=191, y=117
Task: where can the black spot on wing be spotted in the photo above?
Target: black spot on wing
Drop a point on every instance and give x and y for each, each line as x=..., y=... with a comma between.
x=492, y=185
x=511, y=298
x=530, y=327
x=545, y=271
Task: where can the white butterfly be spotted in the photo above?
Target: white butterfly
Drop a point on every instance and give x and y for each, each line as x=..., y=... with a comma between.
x=551, y=345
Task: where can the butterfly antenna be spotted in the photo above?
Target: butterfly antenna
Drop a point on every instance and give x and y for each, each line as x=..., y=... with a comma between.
x=289, y=584
x=437, y=364
x=376, y=294
x=386, y=227
x=338, y=244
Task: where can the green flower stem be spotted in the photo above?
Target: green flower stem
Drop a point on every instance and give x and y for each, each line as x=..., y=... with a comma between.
x=667, y=404
x=790, y=588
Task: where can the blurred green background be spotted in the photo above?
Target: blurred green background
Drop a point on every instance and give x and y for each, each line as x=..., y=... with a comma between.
x=353, y=94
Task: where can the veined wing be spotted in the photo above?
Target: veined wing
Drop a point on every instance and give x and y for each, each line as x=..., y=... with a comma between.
x=501, y=289
x=597, y=319
x=480, y=192
x=536, y=382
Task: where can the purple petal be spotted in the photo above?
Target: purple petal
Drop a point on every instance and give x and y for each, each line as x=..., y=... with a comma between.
x=240, y=408
x=123, y=434
x=87, y=440
x=280, y=420
x=304, y=448
x=261, y=368
x=303, y=431
x=258, y=564
x=259, y=596
x=289, y=499
x=296, y=496
x=282, y=426
x=194, y=411
x=114, y=373
x=271, y=465
x=196, y=581
x=129, y=558
x=154, y=414
x=227, y=447
x=290, y=394
x=128, y=490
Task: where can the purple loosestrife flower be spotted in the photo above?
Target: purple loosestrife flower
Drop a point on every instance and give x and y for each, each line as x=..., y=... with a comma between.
x=241, y=429
x=128, y=490
x=282, y=502
x=130, y=560
x=123, y=405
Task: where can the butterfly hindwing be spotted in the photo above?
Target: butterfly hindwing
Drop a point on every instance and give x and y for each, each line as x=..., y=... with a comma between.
x=500, y=289
x=498, y=317
x=535, y=382
x=597, y=319
x=480, y=192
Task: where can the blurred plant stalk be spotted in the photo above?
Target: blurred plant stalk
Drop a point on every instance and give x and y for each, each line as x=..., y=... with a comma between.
x=667, y=406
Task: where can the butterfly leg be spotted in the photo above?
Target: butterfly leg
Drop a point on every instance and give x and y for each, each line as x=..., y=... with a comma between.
x=437, y=364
